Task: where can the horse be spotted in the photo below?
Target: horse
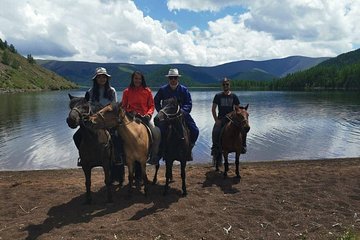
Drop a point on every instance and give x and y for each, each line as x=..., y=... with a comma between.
x=135, y=136
x=231, y=139
x=95, y=147
x=176, y=140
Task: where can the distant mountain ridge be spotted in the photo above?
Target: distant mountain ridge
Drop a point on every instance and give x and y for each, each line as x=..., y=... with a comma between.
x=81, y=72
x=341, y=72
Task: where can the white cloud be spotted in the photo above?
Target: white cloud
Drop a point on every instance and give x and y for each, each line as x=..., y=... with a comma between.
x=203, y=5
x=116, y=31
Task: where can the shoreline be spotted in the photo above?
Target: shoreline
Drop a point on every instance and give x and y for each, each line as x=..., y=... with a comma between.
x=231, y=162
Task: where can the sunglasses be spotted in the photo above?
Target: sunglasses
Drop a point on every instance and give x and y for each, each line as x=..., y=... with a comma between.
x=226, y=84
x=173, y=77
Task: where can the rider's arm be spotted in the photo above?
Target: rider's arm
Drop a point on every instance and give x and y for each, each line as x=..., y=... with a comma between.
x=157, y=99
x=186, y=104
x=150, y=103
x=213, y=111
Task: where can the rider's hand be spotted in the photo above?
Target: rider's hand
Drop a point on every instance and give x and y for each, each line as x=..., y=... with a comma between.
x=147, y=117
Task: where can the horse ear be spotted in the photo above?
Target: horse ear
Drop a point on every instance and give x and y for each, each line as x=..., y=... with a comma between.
x=70, y=96
x=246, y=107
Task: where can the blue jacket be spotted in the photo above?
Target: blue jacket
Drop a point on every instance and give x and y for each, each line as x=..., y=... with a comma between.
x=181, y=93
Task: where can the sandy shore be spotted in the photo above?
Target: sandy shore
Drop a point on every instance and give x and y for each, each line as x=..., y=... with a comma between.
x=317, y=199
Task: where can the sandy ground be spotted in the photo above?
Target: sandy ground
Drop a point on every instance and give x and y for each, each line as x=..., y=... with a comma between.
x=274, y=200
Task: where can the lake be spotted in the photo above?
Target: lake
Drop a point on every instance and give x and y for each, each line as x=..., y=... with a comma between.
x=284, y=126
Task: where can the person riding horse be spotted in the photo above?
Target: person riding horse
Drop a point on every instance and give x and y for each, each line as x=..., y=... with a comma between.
x=225, y=102
x=137, y=99
x=175, y=90
x=99, y=95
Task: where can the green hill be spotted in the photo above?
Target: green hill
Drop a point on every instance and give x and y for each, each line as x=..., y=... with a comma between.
x=18, y=73
x=341, y=72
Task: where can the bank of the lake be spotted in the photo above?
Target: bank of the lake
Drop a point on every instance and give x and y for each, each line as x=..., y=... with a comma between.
x=307, y=199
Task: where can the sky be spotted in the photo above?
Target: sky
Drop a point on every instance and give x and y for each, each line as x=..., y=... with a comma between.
x=196, y=32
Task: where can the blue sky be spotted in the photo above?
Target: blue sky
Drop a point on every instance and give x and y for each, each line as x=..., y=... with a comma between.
x=183, y=20
x=197, y=32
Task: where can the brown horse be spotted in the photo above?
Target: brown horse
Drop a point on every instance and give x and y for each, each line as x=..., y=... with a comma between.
x=135, y=136
x=95, y=147
x=232, y=136
x=176, y=140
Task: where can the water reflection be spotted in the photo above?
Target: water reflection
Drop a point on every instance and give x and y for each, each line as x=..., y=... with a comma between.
x=284, y=125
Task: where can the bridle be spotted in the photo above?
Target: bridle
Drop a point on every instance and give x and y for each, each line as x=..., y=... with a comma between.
x=82, y=115
x=171, y=116
x=236, y=122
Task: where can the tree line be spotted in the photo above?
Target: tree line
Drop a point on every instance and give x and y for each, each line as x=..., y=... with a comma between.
x=8, y=59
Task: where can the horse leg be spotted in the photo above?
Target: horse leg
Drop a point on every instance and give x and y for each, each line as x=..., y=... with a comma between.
x=156, y=172
x=168, y=174
x=144, y=177
x=217, y=161
x=87, y=172
x=226, y=163
x=237, y=162
x=131, y=176
x=106, y=168
x=183, y=177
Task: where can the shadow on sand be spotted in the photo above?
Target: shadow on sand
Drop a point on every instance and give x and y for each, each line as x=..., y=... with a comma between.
x=217, y=178
x=75, y=211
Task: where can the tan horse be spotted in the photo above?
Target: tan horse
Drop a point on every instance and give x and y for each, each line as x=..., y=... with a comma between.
x=134, y=134
x=232, y=136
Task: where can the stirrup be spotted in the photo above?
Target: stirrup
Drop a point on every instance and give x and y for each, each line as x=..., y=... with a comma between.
x=79, y=162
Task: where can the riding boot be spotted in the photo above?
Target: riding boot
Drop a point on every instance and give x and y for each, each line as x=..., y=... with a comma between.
x=154, y=160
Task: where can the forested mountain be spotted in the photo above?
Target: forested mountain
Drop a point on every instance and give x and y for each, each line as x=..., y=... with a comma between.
x=341, y=72
x=18, y=73
x=81, y=72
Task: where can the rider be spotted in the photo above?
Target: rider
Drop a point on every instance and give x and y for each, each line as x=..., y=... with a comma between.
x=100, y=94
x=175, y=90
x=138, y=99
x=225, y=101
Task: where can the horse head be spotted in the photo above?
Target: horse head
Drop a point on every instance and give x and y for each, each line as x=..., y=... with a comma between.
x=79, y=110
x=240, y=118
x=109, y=116
x=170, y=110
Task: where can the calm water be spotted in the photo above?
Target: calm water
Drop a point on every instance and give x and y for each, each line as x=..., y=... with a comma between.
x=284, y=125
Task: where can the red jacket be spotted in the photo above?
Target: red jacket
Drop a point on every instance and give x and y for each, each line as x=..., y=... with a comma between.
x=138, y=100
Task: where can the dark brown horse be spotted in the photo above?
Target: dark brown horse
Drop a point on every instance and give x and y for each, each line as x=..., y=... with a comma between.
x=95, y=147
x=231, y=139
x=135, y=136
x=176, y=140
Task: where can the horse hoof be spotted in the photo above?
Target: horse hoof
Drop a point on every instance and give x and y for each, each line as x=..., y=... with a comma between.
x=238, y=176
